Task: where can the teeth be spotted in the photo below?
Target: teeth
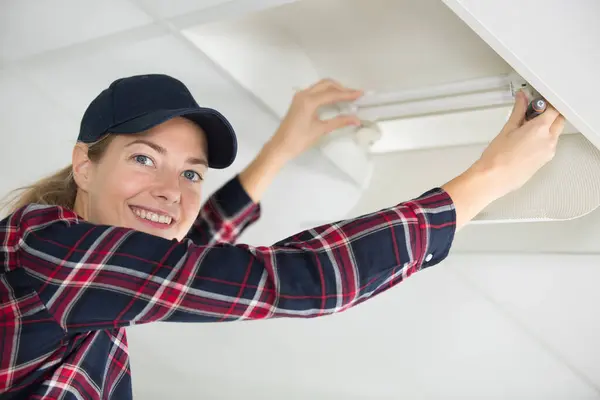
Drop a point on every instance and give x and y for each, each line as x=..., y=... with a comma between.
x=154, y=217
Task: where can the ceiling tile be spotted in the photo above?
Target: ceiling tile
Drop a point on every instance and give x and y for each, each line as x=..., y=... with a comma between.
x=553, y=296
x=35, y=26
x=430, y=338
x=385, y=44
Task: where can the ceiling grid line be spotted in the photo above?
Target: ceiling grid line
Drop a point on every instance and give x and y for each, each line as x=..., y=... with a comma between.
x=176, y=33
x=173, y=28
x=150, y=30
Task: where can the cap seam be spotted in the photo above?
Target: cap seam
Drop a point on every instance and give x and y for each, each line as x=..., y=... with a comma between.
x=112, y=106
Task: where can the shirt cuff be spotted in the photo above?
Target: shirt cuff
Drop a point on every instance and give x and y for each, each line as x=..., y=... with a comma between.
x=232, y=197
x=437, y=215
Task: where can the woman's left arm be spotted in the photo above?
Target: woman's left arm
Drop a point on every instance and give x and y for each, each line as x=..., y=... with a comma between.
x=236, y=205
x=225, y=215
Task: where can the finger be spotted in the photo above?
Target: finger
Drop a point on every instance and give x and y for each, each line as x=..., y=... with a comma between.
x=548, y=117
x=558, y=126
x=333, y=96
x=328, y=84
x=324, y=84
x=517, y=116
x=339, y=122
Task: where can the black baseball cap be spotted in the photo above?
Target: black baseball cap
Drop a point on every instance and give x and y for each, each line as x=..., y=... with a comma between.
x=137, y=103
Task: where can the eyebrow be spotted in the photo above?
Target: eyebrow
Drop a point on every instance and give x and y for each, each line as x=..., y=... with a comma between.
x=163, y=151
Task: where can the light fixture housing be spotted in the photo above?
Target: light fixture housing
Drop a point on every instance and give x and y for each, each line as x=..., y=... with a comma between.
x=567, y=188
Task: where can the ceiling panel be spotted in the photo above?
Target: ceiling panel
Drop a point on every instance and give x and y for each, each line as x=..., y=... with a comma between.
x=35, y=26
x=383, y=44
x=554, y=297
x=380, y=45
x=429, y=338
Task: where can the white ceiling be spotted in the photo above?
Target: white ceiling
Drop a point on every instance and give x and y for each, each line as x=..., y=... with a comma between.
x=477, y=326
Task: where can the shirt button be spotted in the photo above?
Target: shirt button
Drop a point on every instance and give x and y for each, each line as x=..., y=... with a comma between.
x=429, y=257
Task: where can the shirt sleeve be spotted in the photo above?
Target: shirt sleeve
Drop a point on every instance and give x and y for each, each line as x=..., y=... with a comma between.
x=98, y=277
x=225, y=216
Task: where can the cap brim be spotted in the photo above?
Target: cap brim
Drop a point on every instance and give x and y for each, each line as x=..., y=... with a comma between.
x=220, y=135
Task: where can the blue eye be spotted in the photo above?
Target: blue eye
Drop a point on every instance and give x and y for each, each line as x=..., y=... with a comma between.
x=144, y=160
x=192, y=175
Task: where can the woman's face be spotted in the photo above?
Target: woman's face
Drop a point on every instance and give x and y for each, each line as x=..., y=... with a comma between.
x=150, y=181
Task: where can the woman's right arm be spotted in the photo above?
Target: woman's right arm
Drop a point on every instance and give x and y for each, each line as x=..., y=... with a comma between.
x=98, y=277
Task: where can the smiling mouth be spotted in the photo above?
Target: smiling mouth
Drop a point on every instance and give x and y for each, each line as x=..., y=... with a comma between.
x=156, y=219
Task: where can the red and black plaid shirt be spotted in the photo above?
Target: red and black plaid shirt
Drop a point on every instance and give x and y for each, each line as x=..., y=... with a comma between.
x=69, y=288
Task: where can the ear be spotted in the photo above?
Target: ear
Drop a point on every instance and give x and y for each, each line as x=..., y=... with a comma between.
x=82, y=167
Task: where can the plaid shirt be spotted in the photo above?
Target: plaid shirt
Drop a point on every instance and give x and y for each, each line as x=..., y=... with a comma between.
x=69, y=288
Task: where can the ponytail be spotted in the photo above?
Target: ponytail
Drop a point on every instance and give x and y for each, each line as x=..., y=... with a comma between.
x=58, y=189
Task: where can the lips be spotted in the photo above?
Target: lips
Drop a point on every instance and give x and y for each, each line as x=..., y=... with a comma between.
x=152, y=216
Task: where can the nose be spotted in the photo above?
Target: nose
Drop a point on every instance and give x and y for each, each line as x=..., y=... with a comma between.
x=167, y=189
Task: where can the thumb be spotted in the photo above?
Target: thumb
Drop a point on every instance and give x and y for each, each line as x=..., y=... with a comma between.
x=557, y=126
x=518, y=113
x=339, y=122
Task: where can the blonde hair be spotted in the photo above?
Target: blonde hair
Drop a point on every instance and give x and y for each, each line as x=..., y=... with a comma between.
x=58, y=189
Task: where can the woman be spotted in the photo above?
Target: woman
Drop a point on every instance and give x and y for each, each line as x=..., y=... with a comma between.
x=120, y=238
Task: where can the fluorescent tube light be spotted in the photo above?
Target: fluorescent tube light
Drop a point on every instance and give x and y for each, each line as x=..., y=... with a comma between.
x=448, y=89
x=434, y=106
x=495, y=91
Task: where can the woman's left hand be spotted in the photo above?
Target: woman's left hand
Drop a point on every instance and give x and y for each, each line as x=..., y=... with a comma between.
x=301, y=128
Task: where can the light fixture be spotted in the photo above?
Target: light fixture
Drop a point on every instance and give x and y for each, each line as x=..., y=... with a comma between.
x=349, y=148
x=566, y=188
